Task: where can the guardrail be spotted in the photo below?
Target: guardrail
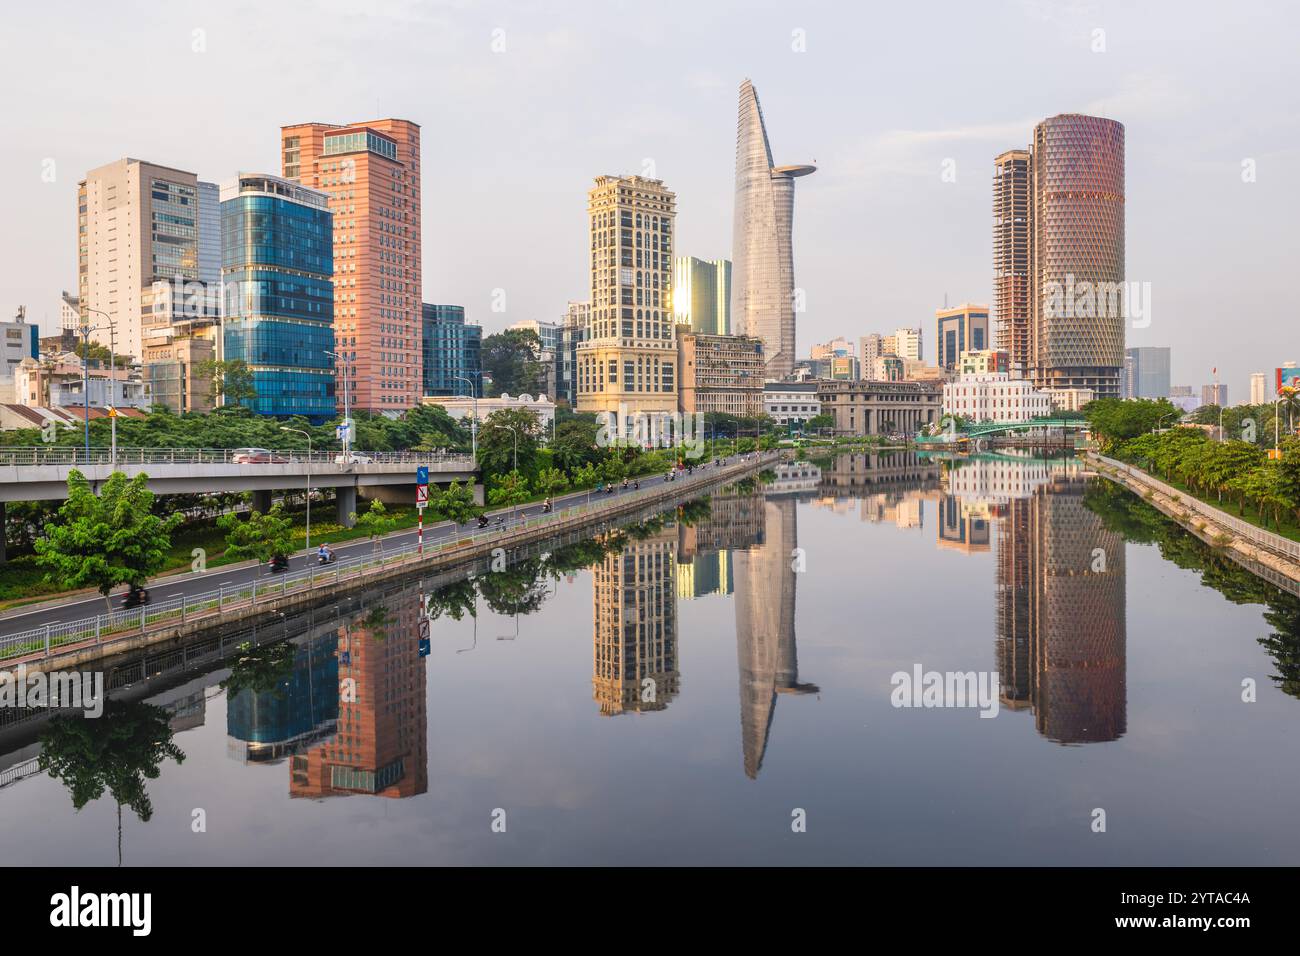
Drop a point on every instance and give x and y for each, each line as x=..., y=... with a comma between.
x=126, y=622
x=73, y=456
x=1285, y=547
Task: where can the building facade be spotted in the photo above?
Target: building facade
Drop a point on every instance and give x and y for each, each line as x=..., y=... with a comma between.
x=1258, y=388
x=370, y=172
x=984, y=362
x=792, y=404
x=137, y=223
x=1011, y=255
x=277, y=241
x=702, y=294
x=905, y=343
x=763, y=294
x=573, y=332
x=1146, y=373
x=627, y=365
x=182, y=331
x=1216, y=394
x=1077, y=266
x=880, y=408
x=720, y=373
x=995, y=397
x=964, y=328
x=451, y=350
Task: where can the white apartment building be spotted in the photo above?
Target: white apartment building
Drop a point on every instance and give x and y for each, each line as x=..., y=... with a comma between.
x=791, y=403
x=995, y=397
x=1258, y=388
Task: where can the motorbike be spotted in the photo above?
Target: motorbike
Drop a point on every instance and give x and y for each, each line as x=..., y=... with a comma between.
x=326, y=558
x=277, y=564
x=135, y=597
x=482, y=521
x=546, y=508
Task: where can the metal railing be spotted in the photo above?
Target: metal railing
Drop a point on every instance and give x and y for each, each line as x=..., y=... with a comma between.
x=1279, y=545
x=122, y=623
x=74, y=456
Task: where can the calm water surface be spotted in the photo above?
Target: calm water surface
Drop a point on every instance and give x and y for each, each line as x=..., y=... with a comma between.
x=674, y=695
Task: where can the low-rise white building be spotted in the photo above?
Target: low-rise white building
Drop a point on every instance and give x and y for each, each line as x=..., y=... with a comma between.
x=995, y=397
x=462, y=407
x=791, y=403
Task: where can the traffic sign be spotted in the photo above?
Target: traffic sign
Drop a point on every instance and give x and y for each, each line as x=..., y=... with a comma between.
x=422, y=475
x=421, y=494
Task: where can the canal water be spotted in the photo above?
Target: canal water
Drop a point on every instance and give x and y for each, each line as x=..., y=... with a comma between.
x=723, y=686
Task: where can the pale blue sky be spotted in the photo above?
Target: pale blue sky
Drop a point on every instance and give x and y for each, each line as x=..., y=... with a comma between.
x=882, y=95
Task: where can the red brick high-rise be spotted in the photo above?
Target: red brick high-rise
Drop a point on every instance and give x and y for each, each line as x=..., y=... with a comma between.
x=371, y=172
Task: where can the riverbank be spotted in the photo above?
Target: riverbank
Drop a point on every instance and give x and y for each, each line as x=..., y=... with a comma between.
x=1271, y=556
x=79, y=643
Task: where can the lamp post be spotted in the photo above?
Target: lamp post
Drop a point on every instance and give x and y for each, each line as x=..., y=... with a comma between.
x=514, y=432
x=347, y=417
x=306, y=435
x=112, y=354
x=473, y=425
x=84, y=330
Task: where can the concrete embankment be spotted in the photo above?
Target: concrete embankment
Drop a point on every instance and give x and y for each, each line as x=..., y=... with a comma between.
x=1257, y=550
x=570, y=525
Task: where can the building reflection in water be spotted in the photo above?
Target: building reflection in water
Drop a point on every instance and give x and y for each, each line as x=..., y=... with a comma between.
x=351, y=717
x=634, y=613
x=1060, y=596
x=765, y=613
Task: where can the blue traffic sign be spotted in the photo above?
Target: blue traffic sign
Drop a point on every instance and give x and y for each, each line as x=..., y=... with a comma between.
x=422, y=475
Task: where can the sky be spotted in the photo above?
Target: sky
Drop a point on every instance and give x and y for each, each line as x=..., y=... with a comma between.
x=522, y=104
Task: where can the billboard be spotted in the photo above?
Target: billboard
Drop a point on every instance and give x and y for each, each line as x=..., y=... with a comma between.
x=1287, y=378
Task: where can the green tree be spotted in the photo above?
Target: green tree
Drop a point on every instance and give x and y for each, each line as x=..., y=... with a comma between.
x=497, y=441
x=574, y=444
x=818, y=422
x=550, y=481
x=104, y=540
x=456, y=503
x=376, y=522
x=510, y=489
x=230, y=380
x=262, y=536
x=117, y=753
x=511, y=360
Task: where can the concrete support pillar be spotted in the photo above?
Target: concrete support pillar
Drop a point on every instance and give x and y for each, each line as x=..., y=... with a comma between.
x=347, y=504
x=478, y=494
x=262, y=501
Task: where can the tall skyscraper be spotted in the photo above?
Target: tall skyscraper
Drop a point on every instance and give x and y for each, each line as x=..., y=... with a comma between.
x=573, y=330
x=1011, y=253
x=1077, y=254
x=137, y=223
x=763, y=303
x=702, y=294
x=628, y=362
x=963, y=328
x=371, y=173
x=279, y=301
x=451, y=347
x=1146, y=373
x=1258, y=388
x=210, y=234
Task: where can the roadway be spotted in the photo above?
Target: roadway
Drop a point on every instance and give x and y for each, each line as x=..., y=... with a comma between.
x=175, y=585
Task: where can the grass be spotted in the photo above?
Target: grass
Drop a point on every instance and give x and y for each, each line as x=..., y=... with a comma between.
x=1287, y=529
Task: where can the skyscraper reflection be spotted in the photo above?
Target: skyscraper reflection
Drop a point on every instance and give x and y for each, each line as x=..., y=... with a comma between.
x=634, y=612
x=765, y=639
x=1061, y=635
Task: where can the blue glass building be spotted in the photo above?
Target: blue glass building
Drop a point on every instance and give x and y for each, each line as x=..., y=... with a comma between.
x=451, y=349
x=277, y=243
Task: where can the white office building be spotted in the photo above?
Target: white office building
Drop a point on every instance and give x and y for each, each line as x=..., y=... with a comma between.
x=995, y=397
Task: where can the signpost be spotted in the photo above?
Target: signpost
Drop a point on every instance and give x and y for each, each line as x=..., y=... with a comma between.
x=421, y=502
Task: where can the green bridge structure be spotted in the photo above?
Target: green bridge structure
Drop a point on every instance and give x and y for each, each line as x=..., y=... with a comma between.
x=985, y=429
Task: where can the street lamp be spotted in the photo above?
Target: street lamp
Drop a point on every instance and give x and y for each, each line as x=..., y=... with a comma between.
x=112, y=354
x=306, y=435
x=347, y=418
x=84, y=330
x=514, y=432
x=473, y=425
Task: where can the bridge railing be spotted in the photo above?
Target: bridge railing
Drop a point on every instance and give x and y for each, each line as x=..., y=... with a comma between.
x=121, y=623
x=76, y=456
x=1256, y=535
